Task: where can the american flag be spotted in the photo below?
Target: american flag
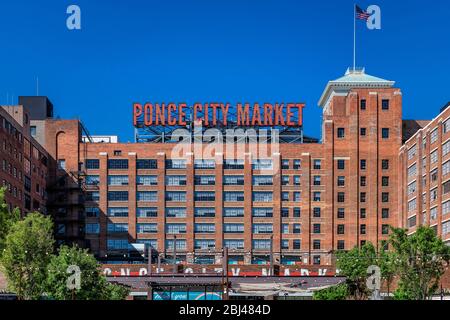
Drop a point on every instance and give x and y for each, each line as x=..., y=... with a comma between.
x=361, y=14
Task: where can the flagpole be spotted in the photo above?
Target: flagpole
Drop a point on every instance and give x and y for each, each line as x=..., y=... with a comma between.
x=354, y=37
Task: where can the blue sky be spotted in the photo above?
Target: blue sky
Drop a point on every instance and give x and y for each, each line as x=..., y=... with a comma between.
x=216, y=50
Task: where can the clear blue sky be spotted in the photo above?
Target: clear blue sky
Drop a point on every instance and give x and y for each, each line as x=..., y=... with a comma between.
x=216, y=50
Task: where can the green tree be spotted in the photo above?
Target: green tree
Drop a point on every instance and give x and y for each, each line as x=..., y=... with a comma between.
x=338, y=292
x=93, y=285
x=29, y=246
x=422, y=259
x=388, y=267
x=7, y=218
x=353, y=264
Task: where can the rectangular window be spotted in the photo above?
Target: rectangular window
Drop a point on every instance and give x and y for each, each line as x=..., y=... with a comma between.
x=119, y=244
x=434, y=157
x=175, y=228
x=363, y=104
x=362, y=229
x=175, y=212
x=434, y=136
x=233, y=164
x=234, y=244
x=385, y=197
x=148, y=196
x=446, y=148
x=233, y=212
x=316, y=212
x=62, y=164
x=385, y=181
x=362, y=197
x=233, y=180
x=363, y=164
x=317, y=164
x=175, y=180
x=412, y=205
x=317, y=196
x=297, y=212
x=446, y=187
x=363, y=181
x=117, y=195
x=262, y=212
x=233, y=228
x=92, y=164
x=176, y=164
x=176, y=196
x=341, y=181
x=204, y=244
x=446, y=168
x=146, y=228
x=180, y=244
x=341, y=245
x=362, y=213
x=412, y=152
x=92, y=228
x=146, y=164
x=144, y=212
x=233, y=196
x=92, y=212
x=285, y=164
x=92, y=180
x=262, y=196
x=261, y=244
x=117, y=180
x=340, y=229
x=263, y=180
x=261, y=228
x=446, y=228
x=434, y=175
x=316, y=244
x=341, y=133
x=204, y=180
x=284, y=180
x=204, y=228
x=412, y=221
x=341, y=197
x=412, y=188
x=341, y=213
x=117, y=212
x=434, y=212
x=117, y=227
x=317, y=180
x=363, y=132
x=385, y=213
x=412, y=171
x=146, y=180
x=262, y=164
x=297, y=164
x=297, y=180
x=384, y=104
x=316, y=228
x=385, y=164
x=118, y=164
x=341, y=164
x=204, y=164
x=204, y=212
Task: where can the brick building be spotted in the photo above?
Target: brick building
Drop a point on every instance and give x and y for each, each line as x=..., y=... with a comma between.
x=425, y=176
x=299, y=201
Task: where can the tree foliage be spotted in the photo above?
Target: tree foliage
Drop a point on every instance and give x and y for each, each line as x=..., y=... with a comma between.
x=339, y=292
x=353, y=265
x=93, y=284
x=7, y=218
x=422, y=259
x=29, y=246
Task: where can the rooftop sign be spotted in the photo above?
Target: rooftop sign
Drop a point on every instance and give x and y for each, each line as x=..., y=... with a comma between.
x=213, y=114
